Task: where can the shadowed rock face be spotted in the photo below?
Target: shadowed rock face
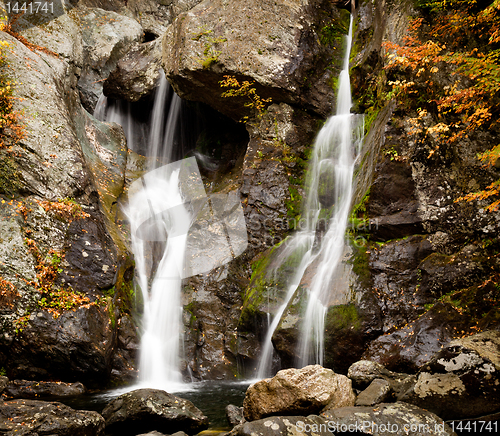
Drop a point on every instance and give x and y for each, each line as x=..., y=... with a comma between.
x=275, y=44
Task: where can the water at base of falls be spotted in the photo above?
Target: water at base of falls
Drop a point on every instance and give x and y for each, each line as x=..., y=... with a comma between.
x=329, y=187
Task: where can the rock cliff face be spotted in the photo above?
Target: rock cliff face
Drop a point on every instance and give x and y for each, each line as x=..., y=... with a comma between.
x=420, y=271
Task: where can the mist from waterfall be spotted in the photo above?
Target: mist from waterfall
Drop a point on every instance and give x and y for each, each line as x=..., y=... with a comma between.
x=328, y=188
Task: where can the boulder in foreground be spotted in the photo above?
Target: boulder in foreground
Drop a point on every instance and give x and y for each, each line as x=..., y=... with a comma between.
x=298, y=392
x=146, y=410
x=33, y=417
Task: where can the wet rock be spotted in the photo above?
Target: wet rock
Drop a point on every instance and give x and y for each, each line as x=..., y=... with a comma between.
x=394, y=270
x=33, y=389
x=378, y=391
x=282, y=54
x=107, y=37
x=234, y=415
x=442, y=273
x=75, y=346
x=32, y=417
x=136, y=74
x=210, y=320
x=290, y=391
x=388, y=418
x=349, y=327
x=392, y=205
x=146, y=410
x=408, y=348
x=284, y=425
x=462, y=380
x=126, y=353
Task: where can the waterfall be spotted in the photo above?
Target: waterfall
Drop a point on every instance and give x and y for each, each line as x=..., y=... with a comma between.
x=158, y=245
x=329, y=186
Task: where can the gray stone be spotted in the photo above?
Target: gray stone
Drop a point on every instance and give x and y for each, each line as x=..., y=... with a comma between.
x=378, y=391
x=234, y=415
x=365, y=372
x=389, y=418
x=136, y=74
x=284, y=425
x=107, y=37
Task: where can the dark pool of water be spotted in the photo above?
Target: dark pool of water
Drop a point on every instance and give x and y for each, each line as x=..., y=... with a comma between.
x=211, y=397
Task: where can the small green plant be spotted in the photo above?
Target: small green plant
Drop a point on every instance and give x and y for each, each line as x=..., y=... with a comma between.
x=210, y=53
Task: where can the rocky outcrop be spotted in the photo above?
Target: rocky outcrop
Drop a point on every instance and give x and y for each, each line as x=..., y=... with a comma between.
x=410, y=347
x=30, y=417
x=30, y=389
x=107, y=37
x=283, y=55
x=146, y=410
x=62, y=247
x=462, y=380
x=295, y=391
x=153, y=15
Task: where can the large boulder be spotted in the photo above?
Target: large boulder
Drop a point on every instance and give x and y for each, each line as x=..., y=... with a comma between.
x=145, y=410
x=388, y=418
x=297, y=391
x=462, y=380
x=136, y=74
x=275, y=44
x=107, y=37
x=33, y=417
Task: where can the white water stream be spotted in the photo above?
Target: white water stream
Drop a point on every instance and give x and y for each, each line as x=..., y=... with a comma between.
x=158, y=219
x=331, y=173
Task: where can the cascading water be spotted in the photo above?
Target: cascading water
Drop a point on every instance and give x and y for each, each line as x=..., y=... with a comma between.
x=329, y=186
x=157, y=194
